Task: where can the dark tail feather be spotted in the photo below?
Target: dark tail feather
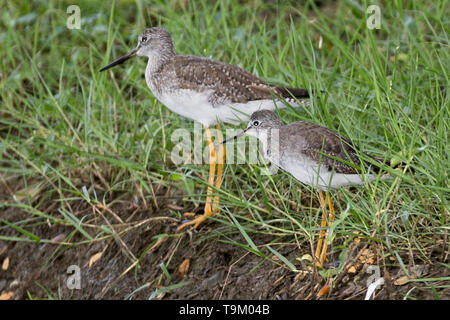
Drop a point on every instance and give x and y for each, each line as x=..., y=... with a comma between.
x=292, y=92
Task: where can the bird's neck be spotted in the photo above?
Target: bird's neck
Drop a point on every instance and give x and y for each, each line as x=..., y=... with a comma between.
x=155, y=66
x=157, y=59
x=270, y=141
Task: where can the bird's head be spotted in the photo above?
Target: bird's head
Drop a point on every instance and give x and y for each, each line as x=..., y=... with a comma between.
x=154, y=43
x=260, y=122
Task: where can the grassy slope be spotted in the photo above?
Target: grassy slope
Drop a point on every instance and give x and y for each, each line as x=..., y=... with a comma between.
x=68, y=133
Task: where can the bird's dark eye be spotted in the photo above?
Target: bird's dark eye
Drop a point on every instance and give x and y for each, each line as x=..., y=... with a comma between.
x=144, y=39
x=256, y=123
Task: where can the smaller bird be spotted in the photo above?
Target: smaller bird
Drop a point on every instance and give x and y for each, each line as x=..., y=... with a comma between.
x=314, y=155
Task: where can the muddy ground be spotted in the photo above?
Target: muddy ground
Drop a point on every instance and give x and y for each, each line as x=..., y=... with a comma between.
x=216, y=270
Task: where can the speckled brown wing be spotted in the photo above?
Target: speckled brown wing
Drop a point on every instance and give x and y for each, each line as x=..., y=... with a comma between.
x=228, y=83
x=320, y=142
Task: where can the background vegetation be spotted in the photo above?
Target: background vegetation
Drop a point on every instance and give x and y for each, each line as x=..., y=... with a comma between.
x=78, y=146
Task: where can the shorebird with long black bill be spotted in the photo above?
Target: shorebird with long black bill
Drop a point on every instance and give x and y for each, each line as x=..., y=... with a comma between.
x=206, y=91
x=317, y=157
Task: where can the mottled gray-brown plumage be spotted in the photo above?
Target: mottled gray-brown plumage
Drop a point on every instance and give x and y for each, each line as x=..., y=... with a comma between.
x=203, y=89
x=306, y=150
x=229, y=83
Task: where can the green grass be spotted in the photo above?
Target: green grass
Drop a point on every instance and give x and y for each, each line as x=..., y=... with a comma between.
x=70, y=134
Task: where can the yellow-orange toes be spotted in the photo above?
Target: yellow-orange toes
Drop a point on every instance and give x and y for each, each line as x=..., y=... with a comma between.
x=198, y=220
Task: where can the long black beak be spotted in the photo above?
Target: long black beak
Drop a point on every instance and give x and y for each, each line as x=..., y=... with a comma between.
x=120, y=60
x=235, y=137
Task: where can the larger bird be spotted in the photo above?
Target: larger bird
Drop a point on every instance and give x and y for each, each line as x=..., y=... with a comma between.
x=206, y=91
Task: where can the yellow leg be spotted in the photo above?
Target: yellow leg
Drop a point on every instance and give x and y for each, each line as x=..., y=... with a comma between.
x=212, y=170
x=330, y=221
x=322, y=245
x=323, y=224
x=220, y=165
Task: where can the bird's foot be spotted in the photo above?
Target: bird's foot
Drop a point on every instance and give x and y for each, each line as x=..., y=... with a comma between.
x=198, y=220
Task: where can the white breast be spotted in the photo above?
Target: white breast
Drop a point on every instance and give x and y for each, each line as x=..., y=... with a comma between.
x=189, y=104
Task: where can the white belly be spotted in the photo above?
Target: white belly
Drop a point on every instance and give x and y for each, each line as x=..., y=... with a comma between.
x=195, y=106
x=321, y=178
